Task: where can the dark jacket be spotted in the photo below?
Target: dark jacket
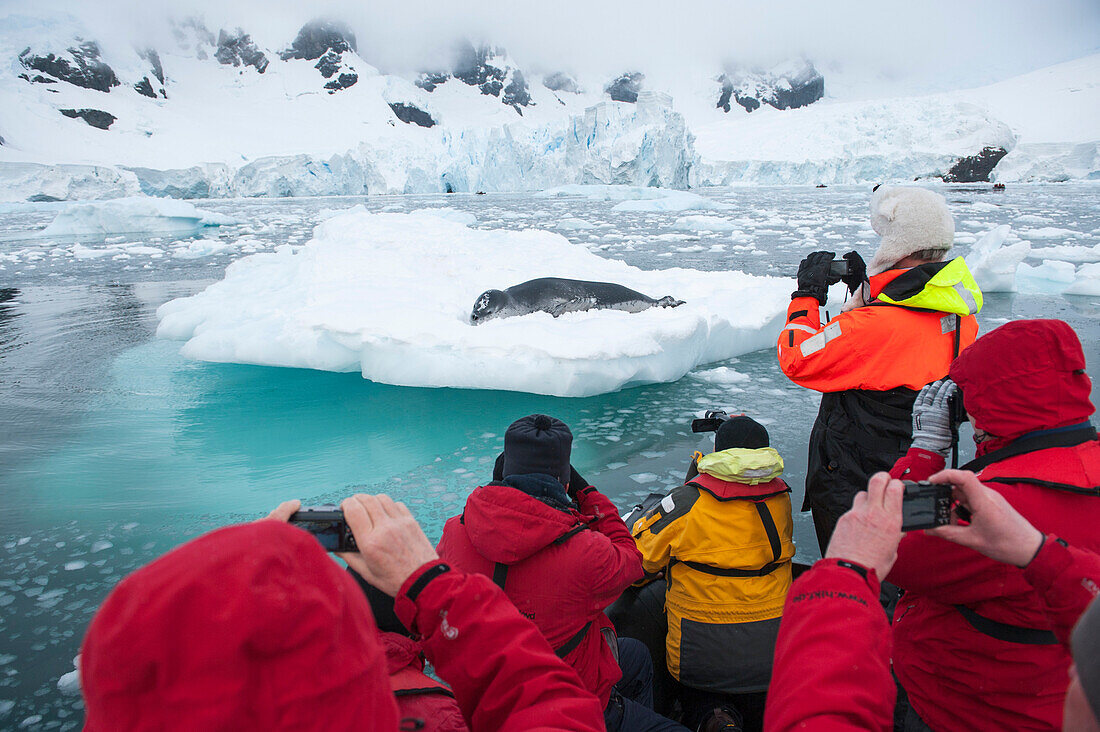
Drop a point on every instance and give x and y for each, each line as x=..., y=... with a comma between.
x=564, y=565
x=869, y=363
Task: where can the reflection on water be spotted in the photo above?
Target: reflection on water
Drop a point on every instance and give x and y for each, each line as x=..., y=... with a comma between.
x=113, y=448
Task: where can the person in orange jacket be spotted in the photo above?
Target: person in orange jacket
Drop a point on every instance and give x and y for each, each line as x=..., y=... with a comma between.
x=900, y=331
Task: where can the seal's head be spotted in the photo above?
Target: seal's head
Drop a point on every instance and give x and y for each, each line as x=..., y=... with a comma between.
x=488, y=304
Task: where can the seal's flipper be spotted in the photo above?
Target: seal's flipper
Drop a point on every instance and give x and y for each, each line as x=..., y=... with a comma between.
x=668, y=301
x=572, y=305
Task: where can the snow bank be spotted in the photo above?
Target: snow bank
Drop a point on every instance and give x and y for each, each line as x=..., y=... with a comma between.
x=390, y=295
x=994, y=262
x=131, y=215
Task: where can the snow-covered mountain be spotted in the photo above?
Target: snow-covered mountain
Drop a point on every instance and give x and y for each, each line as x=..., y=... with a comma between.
x=214, y=112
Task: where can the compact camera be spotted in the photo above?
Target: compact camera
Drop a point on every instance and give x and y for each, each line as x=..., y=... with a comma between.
x=925, y=505
x=838, y=269
x=326, y=522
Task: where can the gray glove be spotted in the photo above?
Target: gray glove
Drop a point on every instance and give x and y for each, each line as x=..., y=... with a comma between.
x=932, y=417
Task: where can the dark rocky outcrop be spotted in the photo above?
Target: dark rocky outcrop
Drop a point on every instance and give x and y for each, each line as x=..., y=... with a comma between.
x=94, y=117
x=626, y=87
x=343, y=81
x=782, y=88
x=515, y=93
x=318, y=37
x=429, y=80
x=82, y=68
x=145, y=88
x=483, y=67
x=411, y=114
x=560, y=81
x=975, y=168
x=238, y=49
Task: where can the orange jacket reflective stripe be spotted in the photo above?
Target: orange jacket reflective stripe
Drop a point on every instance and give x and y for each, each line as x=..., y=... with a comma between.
x=872, y=347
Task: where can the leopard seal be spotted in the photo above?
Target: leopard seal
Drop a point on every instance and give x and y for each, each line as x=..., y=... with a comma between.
x=557, y=295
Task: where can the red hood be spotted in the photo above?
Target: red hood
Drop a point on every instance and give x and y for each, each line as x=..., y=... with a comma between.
x=725, y=489
x=401, y=652
x=1026, y=375
x=507, y=525
x=247, y=627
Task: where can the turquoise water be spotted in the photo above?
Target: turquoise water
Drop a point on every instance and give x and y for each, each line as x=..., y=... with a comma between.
x=113, y=448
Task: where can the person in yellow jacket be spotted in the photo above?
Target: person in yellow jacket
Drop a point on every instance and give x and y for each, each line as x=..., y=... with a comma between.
x=724, y=543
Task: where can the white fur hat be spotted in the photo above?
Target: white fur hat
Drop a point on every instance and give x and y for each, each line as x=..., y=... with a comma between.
x=909, y=220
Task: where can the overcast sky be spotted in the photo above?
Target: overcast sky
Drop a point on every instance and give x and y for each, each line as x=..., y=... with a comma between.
x=921, y=44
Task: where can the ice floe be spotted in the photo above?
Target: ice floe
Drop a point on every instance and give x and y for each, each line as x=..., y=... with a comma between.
x=130, y=215
x=390, y=295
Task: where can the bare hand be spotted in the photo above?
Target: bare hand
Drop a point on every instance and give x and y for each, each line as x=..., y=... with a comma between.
x=996, y=529
x=391, y=544
x=869, y=533
x=284, y=511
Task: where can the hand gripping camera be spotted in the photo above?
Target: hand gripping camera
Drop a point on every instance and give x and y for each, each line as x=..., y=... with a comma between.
x=326, y=522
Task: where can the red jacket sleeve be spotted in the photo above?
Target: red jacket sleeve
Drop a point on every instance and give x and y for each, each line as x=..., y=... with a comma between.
x=620, y=565
x=1067, y=579
x=832, y=658
x=918, y=464
x=503, y=672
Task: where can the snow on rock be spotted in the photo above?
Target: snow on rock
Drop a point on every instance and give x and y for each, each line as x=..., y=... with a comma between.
x=994, y=262
x=130, y=215
x=1052, y=277
x=390, y=295
x=789, y=85
x=848, y=142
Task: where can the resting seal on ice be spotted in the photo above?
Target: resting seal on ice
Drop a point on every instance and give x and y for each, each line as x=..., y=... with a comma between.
x=556, y=295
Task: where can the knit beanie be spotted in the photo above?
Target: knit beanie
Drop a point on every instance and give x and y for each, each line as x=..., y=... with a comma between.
x=538, y=444
x=909, y=220
x=1085, y=643
x=740, y=431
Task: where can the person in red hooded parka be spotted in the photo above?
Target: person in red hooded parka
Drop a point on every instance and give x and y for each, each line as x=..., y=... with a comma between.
x=562, y=554
x=254, y=627
x=973, y=648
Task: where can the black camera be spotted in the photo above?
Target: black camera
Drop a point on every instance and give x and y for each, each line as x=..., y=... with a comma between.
x=838, y=269
x=925, y=505
x=327, y=523
x=712, y=419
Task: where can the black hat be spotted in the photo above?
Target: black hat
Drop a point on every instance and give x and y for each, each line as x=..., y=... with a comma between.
x=740, y=431
x=538, y=444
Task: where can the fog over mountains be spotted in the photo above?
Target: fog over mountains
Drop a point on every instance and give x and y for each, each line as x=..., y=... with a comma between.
x=261, y=99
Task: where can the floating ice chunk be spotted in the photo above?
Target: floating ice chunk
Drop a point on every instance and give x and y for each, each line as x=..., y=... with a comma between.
x=604, y=192
x=75, y=565
x=1086, y=282
x=644, y=478
x=571, y=224
x=1052, y=277
x=1069, y=253
x=101, y=545
x=994, y=263
x=704, y=223
x=129, y=215
x=6, y=705
x=721, y=375
x=672, y=201
x=199, y=248
x=450, y=214
x=1050, y=232
x=390, y=295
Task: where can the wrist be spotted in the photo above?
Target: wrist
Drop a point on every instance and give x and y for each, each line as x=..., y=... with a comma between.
x=1027, y=557
x=934, y=445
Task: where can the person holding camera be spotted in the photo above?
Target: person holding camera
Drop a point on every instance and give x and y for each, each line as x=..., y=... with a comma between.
x=832, y=660
x=899, y=332
x=560, y=551
x=972, y=641
x=723, y=542
x=254, y=627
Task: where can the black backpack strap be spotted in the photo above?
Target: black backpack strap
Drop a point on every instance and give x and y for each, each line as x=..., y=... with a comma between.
x=500, y=574
x=1067, y=438
x=425, y=690
x=566, y=648
x=1067, y=487
x=773, y=539
x=770, y=529
x=570, y=534
x=1006, y=632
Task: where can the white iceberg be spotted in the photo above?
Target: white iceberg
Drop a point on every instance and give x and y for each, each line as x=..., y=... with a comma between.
x=1052, y=277
x=994, y=262
x=130, y=215
x=390, y=295
x=1086, y=281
